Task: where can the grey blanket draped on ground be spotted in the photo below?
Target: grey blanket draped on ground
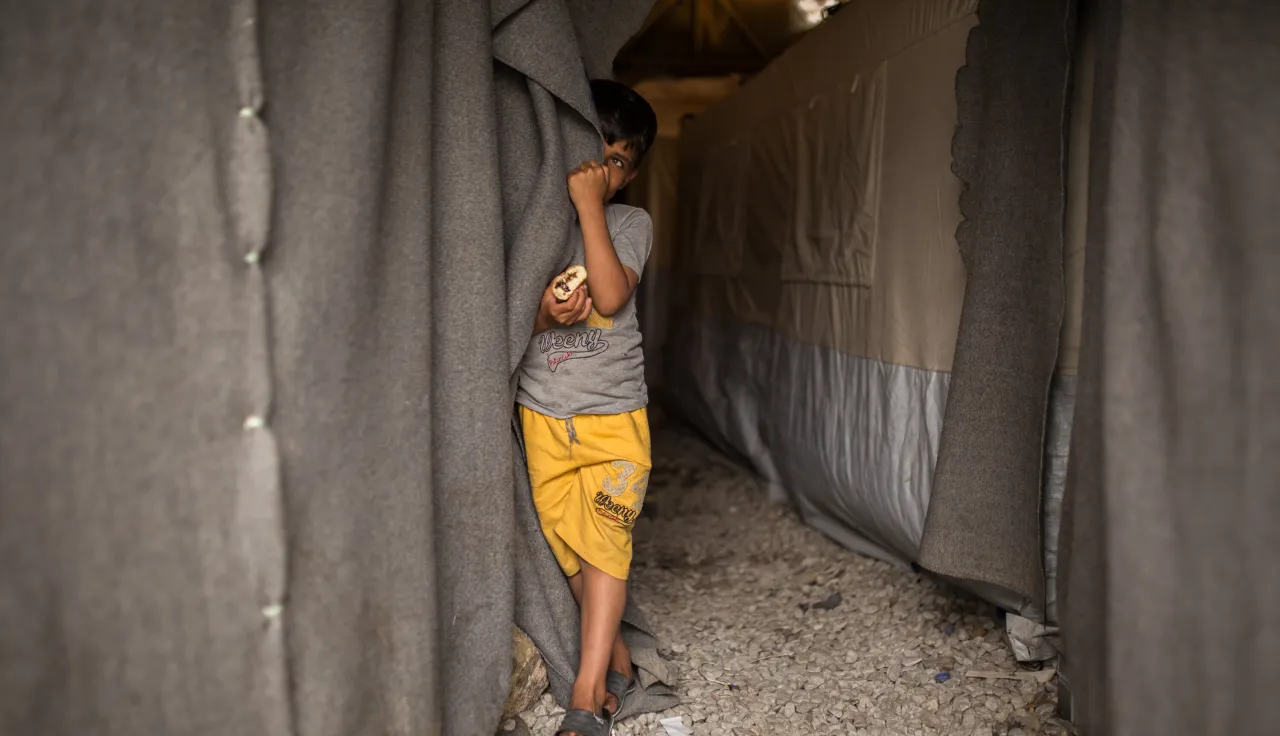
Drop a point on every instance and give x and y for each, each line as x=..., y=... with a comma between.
x=267, y=266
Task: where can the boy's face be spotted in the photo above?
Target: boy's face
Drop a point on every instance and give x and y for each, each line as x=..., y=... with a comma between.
x=620, y=162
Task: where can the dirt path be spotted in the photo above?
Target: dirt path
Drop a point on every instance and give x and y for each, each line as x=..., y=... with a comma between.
x=778, y=631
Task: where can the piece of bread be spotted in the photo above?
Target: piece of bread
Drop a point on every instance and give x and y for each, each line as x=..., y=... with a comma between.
x=566, y=283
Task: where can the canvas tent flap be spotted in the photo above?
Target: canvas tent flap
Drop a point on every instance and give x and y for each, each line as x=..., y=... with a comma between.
x=836, y=190
x=265, y=265
x=818, y=285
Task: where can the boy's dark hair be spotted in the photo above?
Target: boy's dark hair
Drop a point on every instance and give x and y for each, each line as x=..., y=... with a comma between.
x=624, y=116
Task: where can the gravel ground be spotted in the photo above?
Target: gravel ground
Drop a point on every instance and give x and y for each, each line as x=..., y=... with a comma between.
x=776, y=630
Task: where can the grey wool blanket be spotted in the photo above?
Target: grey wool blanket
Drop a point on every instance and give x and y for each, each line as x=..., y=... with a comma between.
x=267, y=267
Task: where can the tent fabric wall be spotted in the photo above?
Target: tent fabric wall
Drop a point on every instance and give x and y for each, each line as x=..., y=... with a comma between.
x=1172, y=521
x=1062, y=394
x=655, y=190
x=267, y=269
x=1036, y=638
x=819, y=310
x=817, y=288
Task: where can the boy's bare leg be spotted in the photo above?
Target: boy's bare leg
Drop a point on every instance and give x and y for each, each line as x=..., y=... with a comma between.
x=620, y=661
x=602, y=602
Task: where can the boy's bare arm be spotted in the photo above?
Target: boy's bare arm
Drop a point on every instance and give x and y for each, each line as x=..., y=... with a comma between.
x=609, y=282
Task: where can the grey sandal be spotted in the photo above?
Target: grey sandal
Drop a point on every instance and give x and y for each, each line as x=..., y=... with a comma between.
x=584, y=722
x=621, y=687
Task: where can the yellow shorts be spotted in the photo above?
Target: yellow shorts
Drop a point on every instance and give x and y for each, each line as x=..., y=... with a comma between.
x=589, y=475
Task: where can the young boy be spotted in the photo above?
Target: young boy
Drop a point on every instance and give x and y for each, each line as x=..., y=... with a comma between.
x=582, y=402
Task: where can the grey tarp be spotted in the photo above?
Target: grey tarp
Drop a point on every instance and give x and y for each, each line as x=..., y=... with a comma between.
x=266, y=268
x=984, y=524
x=1172, y=591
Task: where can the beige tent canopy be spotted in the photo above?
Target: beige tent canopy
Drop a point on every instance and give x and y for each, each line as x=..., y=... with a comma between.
x=880, y=298
x=817, y=286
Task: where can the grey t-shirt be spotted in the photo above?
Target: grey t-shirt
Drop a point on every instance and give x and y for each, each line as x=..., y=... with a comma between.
x=596, y=366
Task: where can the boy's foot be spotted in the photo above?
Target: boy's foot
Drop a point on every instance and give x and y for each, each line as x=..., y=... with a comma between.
x=621, y=678
x=583, y=723
x=585, y=717
x=618, y=688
